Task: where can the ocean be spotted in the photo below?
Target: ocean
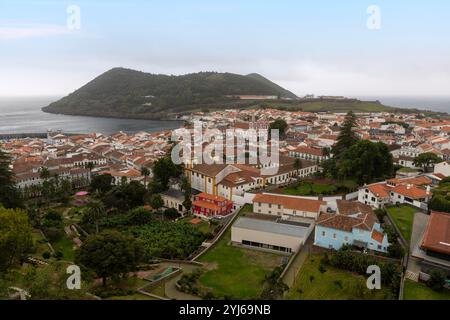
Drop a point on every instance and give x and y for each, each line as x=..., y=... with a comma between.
x=24, y=115
x=440, y=104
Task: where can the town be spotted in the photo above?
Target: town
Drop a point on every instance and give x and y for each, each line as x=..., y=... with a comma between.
x=347, y=191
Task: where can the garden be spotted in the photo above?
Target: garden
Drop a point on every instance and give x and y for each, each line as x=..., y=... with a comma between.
x=419, y=291
x=316, y=281
x=230, y=271
x=319, y=187
x=403, y=217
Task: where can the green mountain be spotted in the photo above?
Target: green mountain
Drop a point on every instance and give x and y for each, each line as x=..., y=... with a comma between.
x=126, y=93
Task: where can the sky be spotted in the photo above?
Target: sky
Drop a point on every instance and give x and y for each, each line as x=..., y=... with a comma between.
x=322, y=47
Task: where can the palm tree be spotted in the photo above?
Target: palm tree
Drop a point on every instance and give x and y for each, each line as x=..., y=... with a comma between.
x=145, y=172
x=96, y=210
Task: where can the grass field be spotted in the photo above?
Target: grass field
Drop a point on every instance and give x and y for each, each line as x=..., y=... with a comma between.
x=66, y=246
x=418, y=291
x=310, y=189
x=334, y=284
x=403, y=217
x=136, y=296
x=236, y=272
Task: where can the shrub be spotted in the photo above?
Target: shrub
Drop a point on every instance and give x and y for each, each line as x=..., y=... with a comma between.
x=437, y=280
x=338, y=283
x=46, y=255
x=322, y=268
x=58, y=255
x=396, y=251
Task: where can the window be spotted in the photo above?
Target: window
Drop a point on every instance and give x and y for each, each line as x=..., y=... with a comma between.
x=323, y=233
x=334, y=236
x=270, y=205
x=346, y=238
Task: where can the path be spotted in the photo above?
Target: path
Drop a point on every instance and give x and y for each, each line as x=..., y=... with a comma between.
x=170, y=288
x=299, y=260
x=419, y=225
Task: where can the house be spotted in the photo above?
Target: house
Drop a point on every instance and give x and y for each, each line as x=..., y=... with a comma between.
x=415, y=191
x=228, y=180
x=375, y=195
x=207, y=205
x=433, y=249
x=308, y=153
x=442, y=168
x=287, y=206
x=270, y=235
x=353, y=224
x=410, y=194
x=174, y=198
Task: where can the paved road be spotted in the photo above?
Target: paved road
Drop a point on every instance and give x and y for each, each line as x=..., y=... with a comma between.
x=419, y=225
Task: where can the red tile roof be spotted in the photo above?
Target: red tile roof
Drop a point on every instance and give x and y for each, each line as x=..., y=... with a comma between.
x=437, y=233
x=411, y=191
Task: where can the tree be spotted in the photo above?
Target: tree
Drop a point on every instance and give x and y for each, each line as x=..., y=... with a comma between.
x=50, y=283
x=347, y=137
x=125, y=196
x=171, y=213
x=156, y=201
x=52, y=225
x=280, y=125
x=364, y=162
x=15, y=237
x=163, y=170
x=95, y=211
x=44, y=173
x=426, y=160
x=395, y=250
x=102, y=183
x=110, y=253
x=145, y=172
x=139, y=216
x=187, y=190
x=9, y=195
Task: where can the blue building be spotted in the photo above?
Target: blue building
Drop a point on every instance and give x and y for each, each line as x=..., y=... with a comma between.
x=353, y=223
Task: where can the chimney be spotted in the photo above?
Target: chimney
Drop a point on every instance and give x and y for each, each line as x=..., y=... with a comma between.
x=408, y=186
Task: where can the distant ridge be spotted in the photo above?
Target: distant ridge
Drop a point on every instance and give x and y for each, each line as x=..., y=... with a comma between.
x=127, y=93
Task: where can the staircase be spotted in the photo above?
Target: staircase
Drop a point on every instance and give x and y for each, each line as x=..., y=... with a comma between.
x=412, y=276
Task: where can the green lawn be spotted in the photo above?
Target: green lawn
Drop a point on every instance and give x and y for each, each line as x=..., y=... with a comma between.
x=203, y=226
x=334, y=284
x=418, y=291
x=407, y=170
x=310, y=189
x=236, y=272
x=136, y=296
x=66, y=246
x=403, y=217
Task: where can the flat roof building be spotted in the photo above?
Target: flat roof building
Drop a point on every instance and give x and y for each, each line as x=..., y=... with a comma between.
x=281, y=236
